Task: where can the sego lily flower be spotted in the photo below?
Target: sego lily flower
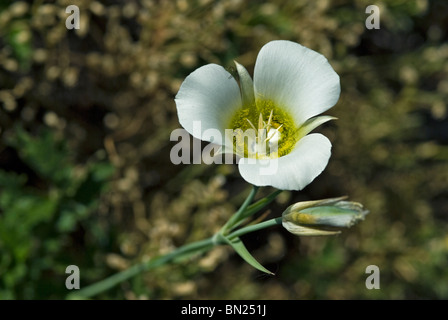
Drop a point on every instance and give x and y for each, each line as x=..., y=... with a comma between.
x=266, y=121
x=322, y=217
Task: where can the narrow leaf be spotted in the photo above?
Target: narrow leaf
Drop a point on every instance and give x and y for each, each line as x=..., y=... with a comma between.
x=241, y=249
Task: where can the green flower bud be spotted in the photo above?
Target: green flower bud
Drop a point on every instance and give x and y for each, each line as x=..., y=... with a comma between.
x=322, y=217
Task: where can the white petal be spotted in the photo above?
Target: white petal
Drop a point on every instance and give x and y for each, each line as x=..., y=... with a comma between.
x=206, y=100
x=296, y=78
x=293, y=171
x=313, y=203
x=306, y=231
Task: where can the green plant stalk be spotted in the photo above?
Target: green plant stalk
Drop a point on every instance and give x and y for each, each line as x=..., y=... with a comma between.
x=190, y=249
x=255, y=207
x=181, y=252
x=255, y=227
x=239, y=215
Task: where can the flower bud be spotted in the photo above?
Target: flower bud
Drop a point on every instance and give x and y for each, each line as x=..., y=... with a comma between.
x=322, y=217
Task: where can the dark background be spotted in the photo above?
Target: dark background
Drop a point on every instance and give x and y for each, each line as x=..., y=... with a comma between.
x=86, y=179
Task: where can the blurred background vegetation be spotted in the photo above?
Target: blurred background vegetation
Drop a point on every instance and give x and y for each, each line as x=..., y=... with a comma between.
x=85, y=175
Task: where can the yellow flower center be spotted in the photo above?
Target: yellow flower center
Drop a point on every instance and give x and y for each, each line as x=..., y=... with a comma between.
x=263, y=131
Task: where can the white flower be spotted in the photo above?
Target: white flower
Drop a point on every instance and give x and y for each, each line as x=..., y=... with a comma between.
x=292, y=85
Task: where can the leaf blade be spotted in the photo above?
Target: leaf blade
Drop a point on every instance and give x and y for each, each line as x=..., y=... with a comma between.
x=241, y=249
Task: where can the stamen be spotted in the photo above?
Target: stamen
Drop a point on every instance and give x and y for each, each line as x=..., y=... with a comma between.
x=252, y=125
x=263, y=134
x=268, y=140
x=269, y=121
x=273, y=134
x=270, y=137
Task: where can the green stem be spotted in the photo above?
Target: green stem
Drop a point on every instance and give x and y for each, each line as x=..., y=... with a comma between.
x=255, y=207
x=243, y=212
x=255, y=227
x=239, y=215
x=115, y=279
